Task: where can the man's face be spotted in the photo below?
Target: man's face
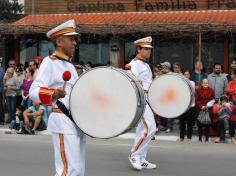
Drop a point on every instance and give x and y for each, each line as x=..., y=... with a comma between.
x=217, y=69
x=176, y=68
x=35, y=104
x=145, y=53
x=165, y=69
x=12, y=64
x=198, y=65
x=67, y=45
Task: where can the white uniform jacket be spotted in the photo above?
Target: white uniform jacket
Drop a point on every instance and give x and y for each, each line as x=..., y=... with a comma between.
x=142, y=72
x=49, y=77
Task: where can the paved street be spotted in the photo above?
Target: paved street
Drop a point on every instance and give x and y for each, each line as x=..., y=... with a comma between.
x=23, y=155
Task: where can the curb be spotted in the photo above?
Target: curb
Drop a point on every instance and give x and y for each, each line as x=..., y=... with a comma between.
x=123, y=136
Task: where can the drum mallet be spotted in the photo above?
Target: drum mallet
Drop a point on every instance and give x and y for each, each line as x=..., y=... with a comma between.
x=66, y=77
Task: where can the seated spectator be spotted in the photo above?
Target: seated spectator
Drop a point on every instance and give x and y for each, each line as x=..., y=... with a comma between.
x=26, y=101
x=204, y=94
x=224, y=113
x=33, y=118
x=18, y=117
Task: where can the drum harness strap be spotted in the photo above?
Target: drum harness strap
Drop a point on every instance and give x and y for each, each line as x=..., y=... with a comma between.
x=64, y=110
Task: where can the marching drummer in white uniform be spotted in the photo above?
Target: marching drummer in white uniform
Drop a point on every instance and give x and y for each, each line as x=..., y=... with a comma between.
x=68, y=139
x=147, y=126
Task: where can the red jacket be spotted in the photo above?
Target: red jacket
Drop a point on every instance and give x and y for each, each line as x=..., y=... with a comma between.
x=203, y=96
x=231, y=87
x=233, y=116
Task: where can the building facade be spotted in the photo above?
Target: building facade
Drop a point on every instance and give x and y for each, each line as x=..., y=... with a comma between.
x=180, y=30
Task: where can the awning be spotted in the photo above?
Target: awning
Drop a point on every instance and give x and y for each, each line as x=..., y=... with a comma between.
x=129, y=22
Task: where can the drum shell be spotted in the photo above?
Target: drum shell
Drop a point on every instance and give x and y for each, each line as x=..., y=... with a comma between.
x=140, y=96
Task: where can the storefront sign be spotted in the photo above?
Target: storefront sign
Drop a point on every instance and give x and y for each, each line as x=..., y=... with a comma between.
x=149, y=6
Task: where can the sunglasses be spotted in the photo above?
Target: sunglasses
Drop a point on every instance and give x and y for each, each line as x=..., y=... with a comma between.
x=12, y=64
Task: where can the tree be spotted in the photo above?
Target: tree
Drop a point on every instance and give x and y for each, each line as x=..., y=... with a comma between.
x=10, y=10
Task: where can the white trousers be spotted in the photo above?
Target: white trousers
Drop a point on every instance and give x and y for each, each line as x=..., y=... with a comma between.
x=69, y=154
x=145, y=131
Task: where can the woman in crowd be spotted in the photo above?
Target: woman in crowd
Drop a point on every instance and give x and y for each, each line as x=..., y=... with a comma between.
x=204, y=94
x=231, y=90
x=26, y=102
x=19, y=78
x=10, y=88
x=189, y=116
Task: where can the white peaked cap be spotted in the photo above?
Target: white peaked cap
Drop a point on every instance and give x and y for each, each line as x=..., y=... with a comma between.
x=66, y=28
x=144, y=42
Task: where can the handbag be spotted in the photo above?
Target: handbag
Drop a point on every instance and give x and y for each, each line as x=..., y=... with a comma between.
x=204, y=117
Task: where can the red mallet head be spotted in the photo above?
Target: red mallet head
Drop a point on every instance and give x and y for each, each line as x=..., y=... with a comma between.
x=66, y=75
x=127, y=67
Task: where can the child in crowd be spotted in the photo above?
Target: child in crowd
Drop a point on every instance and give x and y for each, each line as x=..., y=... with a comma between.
x=18, y=118
x=224, y=113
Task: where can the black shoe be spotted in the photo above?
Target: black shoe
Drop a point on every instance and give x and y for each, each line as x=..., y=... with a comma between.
x=27, y=131
x=32, y=132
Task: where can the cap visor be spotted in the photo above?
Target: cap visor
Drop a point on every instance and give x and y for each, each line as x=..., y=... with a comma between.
x=72, y=33
x=146, y=46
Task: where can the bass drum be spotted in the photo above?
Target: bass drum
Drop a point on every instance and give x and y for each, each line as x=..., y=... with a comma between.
x=170, y=95
x=106, y=102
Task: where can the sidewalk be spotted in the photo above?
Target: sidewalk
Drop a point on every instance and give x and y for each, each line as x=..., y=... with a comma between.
x=160, y=135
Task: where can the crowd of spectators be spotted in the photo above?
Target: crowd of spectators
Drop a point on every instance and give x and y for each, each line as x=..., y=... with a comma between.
x=23, y=115
x=17, y=110
x=216, y=88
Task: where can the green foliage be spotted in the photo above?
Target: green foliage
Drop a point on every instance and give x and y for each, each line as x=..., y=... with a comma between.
x=10, y=10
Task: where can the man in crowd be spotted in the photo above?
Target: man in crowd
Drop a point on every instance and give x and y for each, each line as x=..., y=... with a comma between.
x=33, y=67
x=166, y=66
x=218, y=81
x=177, y=68
x=12, y=63
x=33, y=118
x=170, y=121
x=198, y=75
